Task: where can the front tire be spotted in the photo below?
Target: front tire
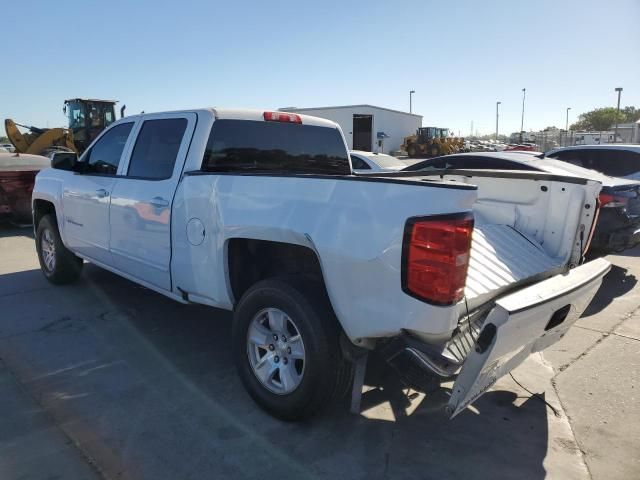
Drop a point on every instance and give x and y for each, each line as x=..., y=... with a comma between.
x=286, y=347
x=412, y=151
x=58, y=264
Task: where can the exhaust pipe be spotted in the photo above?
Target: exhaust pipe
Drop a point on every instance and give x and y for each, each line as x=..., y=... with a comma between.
x=122, y=111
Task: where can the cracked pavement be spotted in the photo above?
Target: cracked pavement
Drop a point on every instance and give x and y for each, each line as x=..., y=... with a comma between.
x=105, y=379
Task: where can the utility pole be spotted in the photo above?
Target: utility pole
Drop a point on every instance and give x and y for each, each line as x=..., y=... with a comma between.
x=524, y=94
x=566, y=128
x=411, y=101
x=471, y=134
x=497, y=115
x=615, y=135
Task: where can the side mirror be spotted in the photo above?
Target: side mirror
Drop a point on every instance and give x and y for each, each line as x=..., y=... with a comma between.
x=64, y=160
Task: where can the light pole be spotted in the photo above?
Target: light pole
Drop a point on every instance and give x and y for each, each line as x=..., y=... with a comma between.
x=411, y=101
x=615, y=135
x=566, y=128
x=524, y=94
x=497, y=104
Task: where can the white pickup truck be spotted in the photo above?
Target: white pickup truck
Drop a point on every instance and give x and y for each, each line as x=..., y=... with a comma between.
x=463, y=272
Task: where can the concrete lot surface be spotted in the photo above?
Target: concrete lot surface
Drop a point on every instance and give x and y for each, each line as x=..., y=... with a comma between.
x=105, y=379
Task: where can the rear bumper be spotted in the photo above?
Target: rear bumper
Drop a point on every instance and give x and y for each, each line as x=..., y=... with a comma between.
x=524, y=322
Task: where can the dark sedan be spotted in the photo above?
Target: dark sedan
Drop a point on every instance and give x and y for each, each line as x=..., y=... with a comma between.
x=618, y=226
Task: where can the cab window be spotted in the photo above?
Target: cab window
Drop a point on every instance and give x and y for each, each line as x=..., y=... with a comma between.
x=104, y=156
x=156, y=149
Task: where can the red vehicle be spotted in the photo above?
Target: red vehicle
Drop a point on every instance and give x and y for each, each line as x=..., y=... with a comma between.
x=17, y=176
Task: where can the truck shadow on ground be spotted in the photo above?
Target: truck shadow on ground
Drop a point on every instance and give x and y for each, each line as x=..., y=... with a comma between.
x=8, y=229
x=616, y=283
x=393, y=437
x=158, y=392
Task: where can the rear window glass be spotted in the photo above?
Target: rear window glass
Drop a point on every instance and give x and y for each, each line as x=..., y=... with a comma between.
x=255, y=146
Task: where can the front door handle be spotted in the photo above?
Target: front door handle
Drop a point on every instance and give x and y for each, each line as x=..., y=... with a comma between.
x=159, y=202
x=101, y=193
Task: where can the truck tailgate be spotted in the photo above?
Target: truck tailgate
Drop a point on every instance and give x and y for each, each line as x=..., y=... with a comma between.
x=522, y=323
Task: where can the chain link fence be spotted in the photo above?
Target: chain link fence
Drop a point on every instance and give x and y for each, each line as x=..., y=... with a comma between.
x=547, y=140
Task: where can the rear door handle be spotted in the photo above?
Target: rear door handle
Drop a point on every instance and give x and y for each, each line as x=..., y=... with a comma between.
x=159, y=202
x=101, y=193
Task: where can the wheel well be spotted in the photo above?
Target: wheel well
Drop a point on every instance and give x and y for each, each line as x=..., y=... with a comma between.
x=252, y=260
x=40, y=209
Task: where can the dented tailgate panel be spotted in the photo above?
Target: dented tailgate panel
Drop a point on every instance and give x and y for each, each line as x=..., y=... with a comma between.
x=525, y=322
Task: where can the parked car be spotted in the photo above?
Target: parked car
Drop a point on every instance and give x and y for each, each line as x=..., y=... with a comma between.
x=524, y=147
x=17, y=177
x=8, y=147
x=618, y=225
x=259, y=213
x=615, y=160
x=369, y=162
x=4, y=150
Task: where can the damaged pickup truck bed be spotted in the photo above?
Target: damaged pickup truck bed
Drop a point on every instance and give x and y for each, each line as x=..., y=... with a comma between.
x=466, y=272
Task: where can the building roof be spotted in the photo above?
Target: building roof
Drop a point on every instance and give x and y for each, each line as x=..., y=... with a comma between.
x=364, y=105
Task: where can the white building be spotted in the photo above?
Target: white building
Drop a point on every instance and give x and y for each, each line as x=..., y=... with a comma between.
x=367, y=127
x=629, y=132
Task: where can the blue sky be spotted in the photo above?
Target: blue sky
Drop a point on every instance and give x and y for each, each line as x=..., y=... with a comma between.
x=459, y=56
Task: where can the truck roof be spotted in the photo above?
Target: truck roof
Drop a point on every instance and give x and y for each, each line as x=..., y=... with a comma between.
x=246, y=114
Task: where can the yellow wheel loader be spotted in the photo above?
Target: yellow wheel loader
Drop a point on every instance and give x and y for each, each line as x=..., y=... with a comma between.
x=431, y=142
x=87, y=118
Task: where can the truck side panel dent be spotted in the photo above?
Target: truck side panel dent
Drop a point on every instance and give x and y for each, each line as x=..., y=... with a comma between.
x=359, y=241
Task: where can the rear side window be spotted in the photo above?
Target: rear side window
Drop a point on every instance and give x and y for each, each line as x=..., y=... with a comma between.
x=615, y=163
x=435, y=164
x=156, y=149
x=486, y=163
x=570, y=156
x=471, y=163
x=255, y=146
x=358, y=164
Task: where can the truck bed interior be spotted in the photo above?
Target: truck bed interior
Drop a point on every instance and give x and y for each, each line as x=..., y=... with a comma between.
x=525, y=229
x=502, y=258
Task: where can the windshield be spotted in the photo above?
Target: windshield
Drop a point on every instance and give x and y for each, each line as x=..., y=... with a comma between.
x=429, y=132
x=76, y=115
x=444, y=132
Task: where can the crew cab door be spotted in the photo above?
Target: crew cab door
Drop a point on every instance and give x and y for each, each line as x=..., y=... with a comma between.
x=86, y=194
x=140, y=215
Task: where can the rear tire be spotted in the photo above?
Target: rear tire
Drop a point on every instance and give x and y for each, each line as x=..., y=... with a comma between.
x=434, y=151
x=57, y=263
x=267, y=364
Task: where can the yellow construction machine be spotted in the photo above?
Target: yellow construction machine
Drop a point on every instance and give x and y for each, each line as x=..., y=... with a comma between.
x=87, y=118
x=431, y=142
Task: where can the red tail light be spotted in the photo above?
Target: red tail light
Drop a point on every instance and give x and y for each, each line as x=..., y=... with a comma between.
x=282, y=117
x=435, y=257
x=608, y=200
